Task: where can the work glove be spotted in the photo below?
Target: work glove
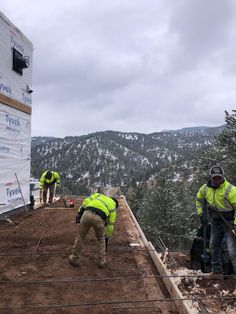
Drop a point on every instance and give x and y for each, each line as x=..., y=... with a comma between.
x=77, y=218
x=204, y=220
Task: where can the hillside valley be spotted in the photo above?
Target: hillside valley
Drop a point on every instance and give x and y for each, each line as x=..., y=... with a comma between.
x=112, y=158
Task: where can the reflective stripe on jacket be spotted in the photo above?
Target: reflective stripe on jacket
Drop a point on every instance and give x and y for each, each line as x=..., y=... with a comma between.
x=223, y=198
x=55, y=178
x=105, y=204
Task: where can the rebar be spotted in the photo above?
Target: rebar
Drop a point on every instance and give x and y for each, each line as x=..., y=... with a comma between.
x=37, y=306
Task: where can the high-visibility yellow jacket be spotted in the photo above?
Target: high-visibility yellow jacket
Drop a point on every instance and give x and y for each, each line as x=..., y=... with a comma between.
x=106, y=205
x=222, y=198
x=54, y=179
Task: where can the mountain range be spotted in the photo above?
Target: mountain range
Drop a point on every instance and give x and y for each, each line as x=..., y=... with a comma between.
x=112, y=158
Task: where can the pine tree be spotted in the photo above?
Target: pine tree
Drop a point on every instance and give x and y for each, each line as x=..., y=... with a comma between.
x=227, y=146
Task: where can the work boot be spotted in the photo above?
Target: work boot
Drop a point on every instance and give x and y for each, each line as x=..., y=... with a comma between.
x=214, y=275
x=101, y=264
x=74, y=261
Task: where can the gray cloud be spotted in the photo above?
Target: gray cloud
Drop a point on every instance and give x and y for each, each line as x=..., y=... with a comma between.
x=202, y=26
x=128, y=65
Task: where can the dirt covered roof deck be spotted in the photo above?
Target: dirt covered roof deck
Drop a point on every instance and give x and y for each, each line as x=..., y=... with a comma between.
x=35, y=276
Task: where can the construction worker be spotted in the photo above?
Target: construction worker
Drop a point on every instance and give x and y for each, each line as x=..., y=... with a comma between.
x=221, y=201
x=50, y=180
x=97, y=211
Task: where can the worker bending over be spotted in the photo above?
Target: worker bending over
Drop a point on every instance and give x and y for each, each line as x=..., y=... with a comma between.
x=97, y=211
x=48, y=181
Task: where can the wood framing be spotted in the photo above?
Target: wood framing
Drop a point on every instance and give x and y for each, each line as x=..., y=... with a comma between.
x=15, y=104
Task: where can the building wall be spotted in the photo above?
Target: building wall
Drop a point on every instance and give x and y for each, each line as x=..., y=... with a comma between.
x=15, y=119
x=12, y=84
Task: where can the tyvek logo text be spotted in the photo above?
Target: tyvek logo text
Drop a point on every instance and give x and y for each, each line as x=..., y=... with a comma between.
x=13, y=194
x=6, y=88
x=12, y=123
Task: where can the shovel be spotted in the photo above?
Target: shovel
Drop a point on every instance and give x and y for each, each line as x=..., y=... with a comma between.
x=225, y=221
x=204, y=256
x=106, y=242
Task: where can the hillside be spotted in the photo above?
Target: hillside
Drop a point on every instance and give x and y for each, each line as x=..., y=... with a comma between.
x=118, y=159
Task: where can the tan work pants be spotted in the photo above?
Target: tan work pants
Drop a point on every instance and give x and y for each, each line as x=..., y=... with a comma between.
x=89, y=220
x=51, y=188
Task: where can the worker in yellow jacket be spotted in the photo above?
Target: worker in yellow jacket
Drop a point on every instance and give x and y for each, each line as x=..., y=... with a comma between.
x=50, y=180
x=97, y=211
x=221, y=202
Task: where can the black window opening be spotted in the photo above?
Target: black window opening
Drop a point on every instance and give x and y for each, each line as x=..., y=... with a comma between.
x=19, y=62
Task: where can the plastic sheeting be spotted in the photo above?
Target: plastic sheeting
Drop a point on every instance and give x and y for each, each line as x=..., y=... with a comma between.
x=15, y=146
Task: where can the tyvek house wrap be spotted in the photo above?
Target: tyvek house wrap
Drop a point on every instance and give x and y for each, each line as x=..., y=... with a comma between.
x=12, y=84
x=15, y=146
x=15, y=120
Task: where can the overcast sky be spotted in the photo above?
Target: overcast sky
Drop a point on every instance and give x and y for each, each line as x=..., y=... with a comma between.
x=128, y=65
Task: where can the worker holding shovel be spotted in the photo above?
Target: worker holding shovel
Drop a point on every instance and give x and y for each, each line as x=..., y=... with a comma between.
x=220, y=197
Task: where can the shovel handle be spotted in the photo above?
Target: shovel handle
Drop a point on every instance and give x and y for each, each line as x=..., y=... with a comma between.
x=106, y=242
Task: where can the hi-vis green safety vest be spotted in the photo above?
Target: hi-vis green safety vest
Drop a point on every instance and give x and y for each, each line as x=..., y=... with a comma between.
x=107, y=205
x=223, y=198
x=55, y=178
